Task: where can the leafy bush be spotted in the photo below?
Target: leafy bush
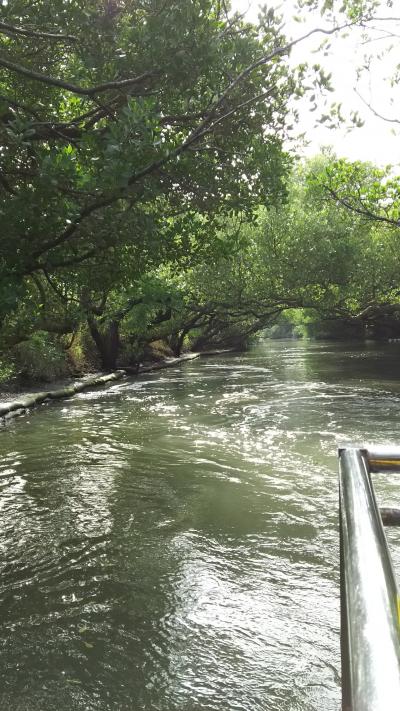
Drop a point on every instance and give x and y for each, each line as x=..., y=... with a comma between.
x=82, y=353
x=41, y=357
x=7, y=371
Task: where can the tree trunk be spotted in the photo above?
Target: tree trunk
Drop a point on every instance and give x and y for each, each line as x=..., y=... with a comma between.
x=176, y=342
x=107, y=342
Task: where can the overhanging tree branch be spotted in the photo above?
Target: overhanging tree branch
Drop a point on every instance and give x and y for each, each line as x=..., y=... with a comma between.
x=206, y=125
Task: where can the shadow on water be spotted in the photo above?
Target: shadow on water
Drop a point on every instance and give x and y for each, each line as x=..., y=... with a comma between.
x=171, y=543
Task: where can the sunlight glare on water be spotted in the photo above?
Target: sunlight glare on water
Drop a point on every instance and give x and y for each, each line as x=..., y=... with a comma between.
x=171, y=542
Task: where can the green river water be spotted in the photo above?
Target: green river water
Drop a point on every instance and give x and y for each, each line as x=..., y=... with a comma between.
x=170, y=543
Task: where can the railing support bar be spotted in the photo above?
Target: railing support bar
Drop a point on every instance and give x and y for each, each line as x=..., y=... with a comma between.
x=370, y=622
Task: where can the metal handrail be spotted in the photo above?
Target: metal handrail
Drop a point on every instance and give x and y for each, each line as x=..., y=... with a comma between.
x=370, y=628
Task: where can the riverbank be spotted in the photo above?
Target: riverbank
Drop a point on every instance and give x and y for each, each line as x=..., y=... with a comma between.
x=16, y=404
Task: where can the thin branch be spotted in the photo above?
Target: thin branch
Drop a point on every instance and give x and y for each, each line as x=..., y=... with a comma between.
x=7, y=29
x=17, y=105
x=181, y=118
x=73, y=88
x=231, y=22
x=71, y=341
x=86, y=212
x=77, y=259
x=6, y=185
x=98, y=309
x=387, y=35
x=363, y=211
x=121, y=313
x=278, y=51
x=94, y=115
x=375, y=310
x=39, y=287
x=123, y=83
x=386, y=19
x=376, y=113
x=253, y=100
x=63, y=297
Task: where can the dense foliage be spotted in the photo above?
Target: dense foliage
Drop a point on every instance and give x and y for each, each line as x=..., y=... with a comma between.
x=129, y=131
x=145, y=193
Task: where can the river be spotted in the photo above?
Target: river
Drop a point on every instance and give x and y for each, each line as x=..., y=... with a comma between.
x=170, y=543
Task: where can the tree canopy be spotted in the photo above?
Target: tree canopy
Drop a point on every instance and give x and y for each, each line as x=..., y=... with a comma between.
x=116, y=116
x=145, y=187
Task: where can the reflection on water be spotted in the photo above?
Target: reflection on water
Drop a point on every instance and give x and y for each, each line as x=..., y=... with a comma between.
x=170, y=543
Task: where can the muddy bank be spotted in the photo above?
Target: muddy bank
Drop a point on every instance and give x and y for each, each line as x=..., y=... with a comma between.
x=13, y=405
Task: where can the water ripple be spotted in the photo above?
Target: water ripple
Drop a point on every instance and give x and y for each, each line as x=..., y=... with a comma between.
x=171, y=543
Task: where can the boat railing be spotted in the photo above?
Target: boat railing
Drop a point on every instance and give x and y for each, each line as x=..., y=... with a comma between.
x=370, y=628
